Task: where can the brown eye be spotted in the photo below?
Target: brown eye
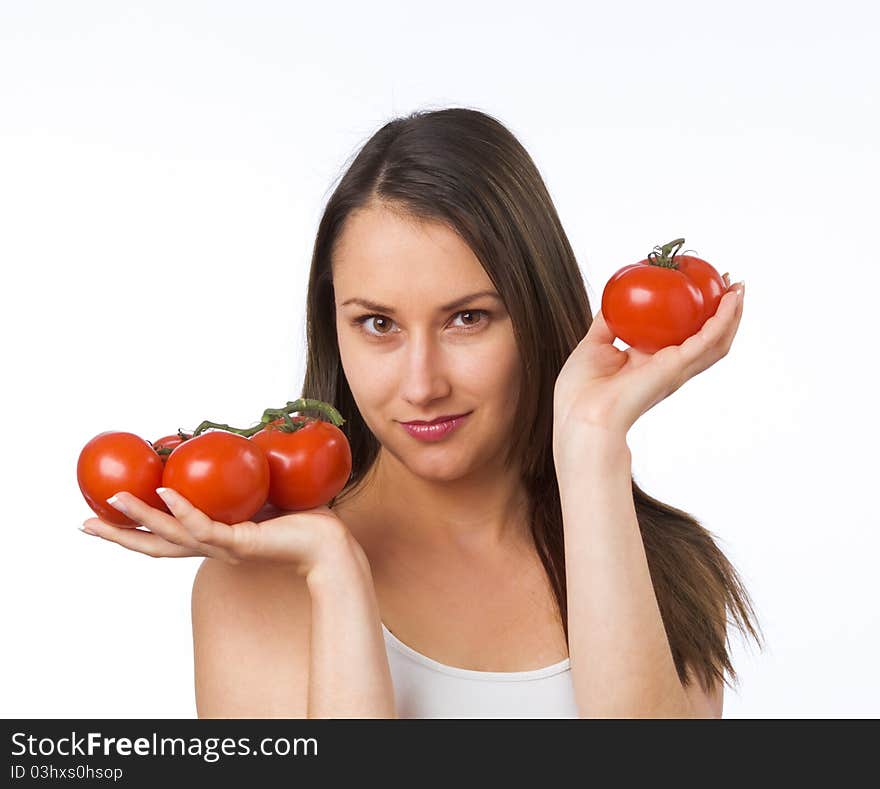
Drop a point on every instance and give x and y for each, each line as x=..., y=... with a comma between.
x=474, y=319
x=381, y=326
x=377, y=320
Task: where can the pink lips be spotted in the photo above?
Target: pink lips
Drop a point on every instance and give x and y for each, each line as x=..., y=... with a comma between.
x=434, y=431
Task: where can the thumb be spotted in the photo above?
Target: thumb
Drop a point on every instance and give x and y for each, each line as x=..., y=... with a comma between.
x=599, y=332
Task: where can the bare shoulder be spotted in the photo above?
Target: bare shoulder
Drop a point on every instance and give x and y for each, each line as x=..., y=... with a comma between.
x=251, y=627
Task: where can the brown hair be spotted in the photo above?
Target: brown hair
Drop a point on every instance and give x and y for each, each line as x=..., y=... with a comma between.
x=463, y=168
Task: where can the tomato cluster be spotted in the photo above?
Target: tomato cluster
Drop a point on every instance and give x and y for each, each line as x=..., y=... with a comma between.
x=292, y=462
x=663, y=299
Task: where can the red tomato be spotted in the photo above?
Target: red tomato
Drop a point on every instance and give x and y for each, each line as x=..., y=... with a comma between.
x=114, y=461
x=309, y=466
x=296, y=418
x=220, y=473
x=169, y=443
x=650, y=306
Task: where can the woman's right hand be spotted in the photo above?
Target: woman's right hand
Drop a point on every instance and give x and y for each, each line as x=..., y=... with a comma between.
x=301, y=540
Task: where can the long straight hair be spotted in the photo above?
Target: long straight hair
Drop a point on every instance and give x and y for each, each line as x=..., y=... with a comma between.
x=463, y=168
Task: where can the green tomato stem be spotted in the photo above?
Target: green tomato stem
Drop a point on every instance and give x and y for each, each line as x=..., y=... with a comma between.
x=661, y=257
x=246, y=432
x=270, y=414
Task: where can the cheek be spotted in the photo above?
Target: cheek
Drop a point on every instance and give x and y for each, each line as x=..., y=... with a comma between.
x=493, y=369
x=356, y=368
x=372, y=393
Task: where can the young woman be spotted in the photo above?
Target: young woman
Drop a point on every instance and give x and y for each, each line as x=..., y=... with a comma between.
x=505, y=564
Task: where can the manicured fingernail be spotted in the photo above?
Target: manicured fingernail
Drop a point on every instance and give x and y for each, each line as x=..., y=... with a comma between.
x=114, y=501
x=166, y=495
x=88, y=530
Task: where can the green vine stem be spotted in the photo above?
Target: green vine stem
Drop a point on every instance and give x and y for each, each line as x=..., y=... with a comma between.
x=661, y=255
x=270, y=414
x=165, y=451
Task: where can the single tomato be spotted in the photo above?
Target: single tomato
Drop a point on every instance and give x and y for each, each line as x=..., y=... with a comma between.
x=165, y=446
x=309, y=466
x=661, y=300
x=223, y=474
x=114, y=461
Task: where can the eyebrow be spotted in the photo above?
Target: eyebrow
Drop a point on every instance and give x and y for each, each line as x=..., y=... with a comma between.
x=372, y=305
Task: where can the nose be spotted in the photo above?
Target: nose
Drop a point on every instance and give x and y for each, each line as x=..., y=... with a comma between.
x=424, y=378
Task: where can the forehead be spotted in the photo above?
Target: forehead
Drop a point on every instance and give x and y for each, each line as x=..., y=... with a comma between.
x=381, y=247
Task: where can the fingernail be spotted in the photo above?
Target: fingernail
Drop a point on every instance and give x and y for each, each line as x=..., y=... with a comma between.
x=88, y=530
x=114, y=501
x=166, y=495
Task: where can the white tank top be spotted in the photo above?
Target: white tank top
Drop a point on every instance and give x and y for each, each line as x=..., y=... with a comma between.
x=426, y=688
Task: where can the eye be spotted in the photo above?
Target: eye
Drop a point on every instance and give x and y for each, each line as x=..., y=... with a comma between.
x=472, y=314
x=362, y=320
x=384, y=322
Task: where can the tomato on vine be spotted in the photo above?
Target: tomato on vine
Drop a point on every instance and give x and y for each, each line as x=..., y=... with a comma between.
x=663, y=299
x=165, y=446
x=113, y=461
x=220, y=473
x=309, y=465
x=293, y=462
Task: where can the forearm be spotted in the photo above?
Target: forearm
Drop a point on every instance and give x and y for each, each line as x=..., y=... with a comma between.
x=621, y=661
x=349, y=676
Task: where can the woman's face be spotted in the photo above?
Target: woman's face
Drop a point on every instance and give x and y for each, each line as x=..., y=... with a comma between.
x=414, y=354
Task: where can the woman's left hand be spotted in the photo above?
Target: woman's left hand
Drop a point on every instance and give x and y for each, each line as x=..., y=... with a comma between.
x=601, y=386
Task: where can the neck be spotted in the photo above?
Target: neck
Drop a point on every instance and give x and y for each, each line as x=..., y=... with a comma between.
x=483, y=510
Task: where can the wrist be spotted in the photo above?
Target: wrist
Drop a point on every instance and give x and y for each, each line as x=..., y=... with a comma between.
x=340, y=563
x=588, y=443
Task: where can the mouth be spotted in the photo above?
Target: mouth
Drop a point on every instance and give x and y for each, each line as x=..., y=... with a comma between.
x=436, y=430
x=437, y=420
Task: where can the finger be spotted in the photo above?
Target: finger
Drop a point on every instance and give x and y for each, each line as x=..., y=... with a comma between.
x=137, y=540
x=732, y=323
x=169, y=527
x=670, y=367
x=734, y=327
x=599, y=331
x=708, y=345
x=220, y=539
x=157, y=521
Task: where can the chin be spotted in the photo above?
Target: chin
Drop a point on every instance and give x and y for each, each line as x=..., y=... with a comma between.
x=436, y=462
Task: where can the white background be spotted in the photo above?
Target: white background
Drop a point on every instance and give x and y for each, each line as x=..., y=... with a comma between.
x=162, y=174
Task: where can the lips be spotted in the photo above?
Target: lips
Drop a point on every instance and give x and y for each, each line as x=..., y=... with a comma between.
x=435, y=421
x=437, y=430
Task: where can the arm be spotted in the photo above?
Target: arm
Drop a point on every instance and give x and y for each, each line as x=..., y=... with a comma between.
x=270, y=642
x=621, y=661
x=349, y=676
